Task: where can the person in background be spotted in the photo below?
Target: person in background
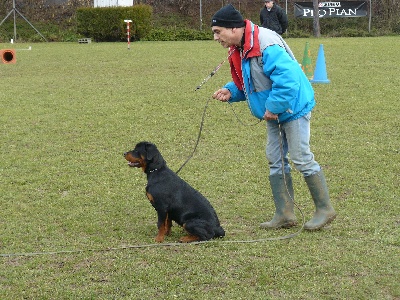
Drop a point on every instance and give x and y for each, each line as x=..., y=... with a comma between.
x=273, y=17
x=266, y=75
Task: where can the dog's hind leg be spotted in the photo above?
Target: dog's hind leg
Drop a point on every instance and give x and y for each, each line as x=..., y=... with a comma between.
x=198, y=230
x=189, y=239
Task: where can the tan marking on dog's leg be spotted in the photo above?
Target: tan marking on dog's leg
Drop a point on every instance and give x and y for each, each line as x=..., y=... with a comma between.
x=162, y=231
x=188, y=238
x=169, y=225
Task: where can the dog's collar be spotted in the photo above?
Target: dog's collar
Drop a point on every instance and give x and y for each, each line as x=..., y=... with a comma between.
x=155, y=169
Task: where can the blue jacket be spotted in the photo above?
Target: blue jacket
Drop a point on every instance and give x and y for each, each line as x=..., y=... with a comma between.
x=271, y=78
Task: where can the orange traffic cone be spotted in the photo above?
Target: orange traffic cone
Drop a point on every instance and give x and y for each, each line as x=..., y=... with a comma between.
x=306, y=64
x=320, y=75
x=8, y=56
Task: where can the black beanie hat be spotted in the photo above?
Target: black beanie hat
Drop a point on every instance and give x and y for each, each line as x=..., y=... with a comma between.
x=227, y=17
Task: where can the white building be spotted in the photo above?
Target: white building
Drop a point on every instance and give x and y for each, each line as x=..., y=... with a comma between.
x=109, y=3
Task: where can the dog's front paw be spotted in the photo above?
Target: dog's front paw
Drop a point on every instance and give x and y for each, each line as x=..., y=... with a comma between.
x=159, y=238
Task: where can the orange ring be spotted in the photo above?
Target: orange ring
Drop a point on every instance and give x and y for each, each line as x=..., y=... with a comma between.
x=8, y=56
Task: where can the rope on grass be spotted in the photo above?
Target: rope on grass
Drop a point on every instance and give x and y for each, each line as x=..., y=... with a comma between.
x=158, y=245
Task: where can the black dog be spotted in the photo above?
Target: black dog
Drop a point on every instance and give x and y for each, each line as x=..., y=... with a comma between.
x=173, y=198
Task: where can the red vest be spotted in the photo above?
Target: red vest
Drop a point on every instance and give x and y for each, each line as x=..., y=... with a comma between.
x=251, y=48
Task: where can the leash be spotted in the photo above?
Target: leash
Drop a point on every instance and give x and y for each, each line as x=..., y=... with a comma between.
x=213, y=72
x=198, y=136
x=201, y=130
x=158, y=245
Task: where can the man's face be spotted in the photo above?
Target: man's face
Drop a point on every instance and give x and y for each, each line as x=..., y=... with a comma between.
x=269, y=4
x=224, y=36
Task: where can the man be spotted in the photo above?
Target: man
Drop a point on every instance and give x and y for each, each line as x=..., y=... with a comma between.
x=266, y=75
x=273, y=17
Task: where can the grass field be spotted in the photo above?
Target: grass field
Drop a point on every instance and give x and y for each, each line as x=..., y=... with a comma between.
x=69, y=111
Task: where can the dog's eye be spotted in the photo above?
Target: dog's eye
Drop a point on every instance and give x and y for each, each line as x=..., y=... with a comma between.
x=135, y=153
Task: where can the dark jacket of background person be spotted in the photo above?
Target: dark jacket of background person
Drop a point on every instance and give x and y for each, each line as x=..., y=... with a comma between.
x=275, y=19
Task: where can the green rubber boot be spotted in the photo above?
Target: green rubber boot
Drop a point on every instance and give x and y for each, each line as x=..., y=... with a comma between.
x=284, y=216
x=324, y=213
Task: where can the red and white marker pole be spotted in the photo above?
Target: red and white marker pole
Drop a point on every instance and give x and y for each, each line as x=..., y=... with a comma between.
x=128, y=32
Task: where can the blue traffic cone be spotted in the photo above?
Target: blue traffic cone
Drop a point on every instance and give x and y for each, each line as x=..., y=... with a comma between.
x=320, y=75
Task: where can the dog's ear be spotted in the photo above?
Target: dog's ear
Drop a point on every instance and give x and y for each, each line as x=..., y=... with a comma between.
x=151, y=151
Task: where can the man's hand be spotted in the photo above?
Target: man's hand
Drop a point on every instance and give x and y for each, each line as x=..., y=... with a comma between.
x=269, y=116
x=222, y=95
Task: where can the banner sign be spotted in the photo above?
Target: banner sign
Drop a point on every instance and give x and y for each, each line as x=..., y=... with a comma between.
x=343, y=9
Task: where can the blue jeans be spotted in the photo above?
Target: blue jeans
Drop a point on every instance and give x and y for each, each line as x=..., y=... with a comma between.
x=295, y=141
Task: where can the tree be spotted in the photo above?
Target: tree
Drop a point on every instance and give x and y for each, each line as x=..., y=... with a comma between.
x=316, y=27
